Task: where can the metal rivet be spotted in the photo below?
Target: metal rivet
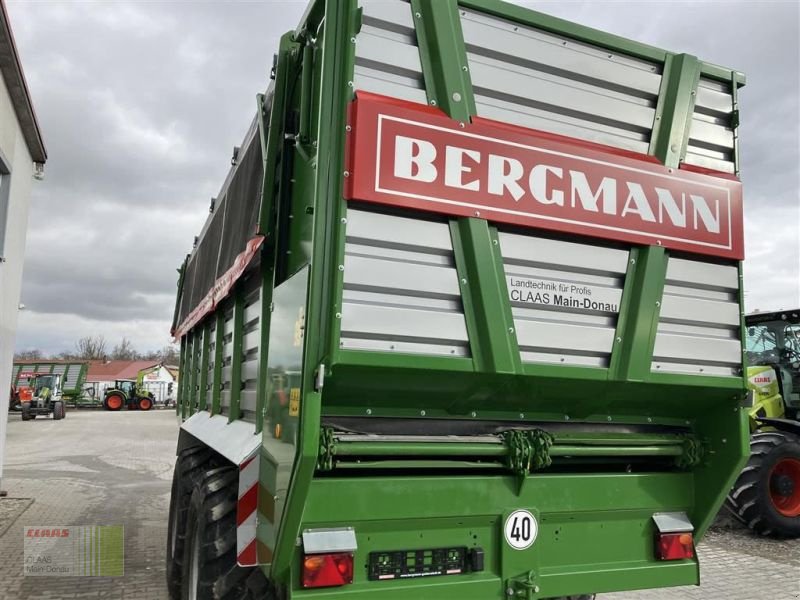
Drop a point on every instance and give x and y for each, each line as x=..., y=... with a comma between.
x=343, y=221
x=338, y=315
x=369, y=411
x=465, y=69
x=509, y=591
x=649, y=419
x=341, y=267
x=536, y=589
x=521, y=415
x=608, y=418
x=352, y=40
x=658, y=303
x=391, y=347
x=477, y=213
x=456, y=97
x=566, y=417
x=416, y=14
x=494, y=242
x=347, y=173
x=350, y=84
x=464, y=281
x=473, y=413
x=510, y=330
x=432, y=102
x=314, y=143
x=562, y=359
x=348, y=128
x=422, y=413
x=633, y=261
x=619, y=340
x=462, y=125
x=724, y=440
x=658, y=242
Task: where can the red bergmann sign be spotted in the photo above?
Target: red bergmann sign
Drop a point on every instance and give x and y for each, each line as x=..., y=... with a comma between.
x=411, y=155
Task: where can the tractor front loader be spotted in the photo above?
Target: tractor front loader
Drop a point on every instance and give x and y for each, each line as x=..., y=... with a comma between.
x=46, y=398
x=766, y=496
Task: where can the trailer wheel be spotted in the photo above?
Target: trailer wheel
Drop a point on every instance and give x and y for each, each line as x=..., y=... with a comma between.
x=766, y=496
x=209, y=560
x=113, y=402
x=190, y=468
x=145, y=404
x=26, y=411
x=58, y=410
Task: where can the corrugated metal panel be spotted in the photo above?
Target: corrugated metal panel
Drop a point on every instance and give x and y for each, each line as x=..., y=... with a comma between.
x=212, y=343
x=711, y=141
x=401, y=291
x=699, y=327
x=251, y=342
x=387, y=56
x=535, y=79
x=564, y=298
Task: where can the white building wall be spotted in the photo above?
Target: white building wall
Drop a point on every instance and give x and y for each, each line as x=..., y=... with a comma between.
x=14, y=150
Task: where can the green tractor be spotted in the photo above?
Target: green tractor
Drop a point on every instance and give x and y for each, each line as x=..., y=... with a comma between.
x=766, y=496
x=46, y=398
x=128, y=393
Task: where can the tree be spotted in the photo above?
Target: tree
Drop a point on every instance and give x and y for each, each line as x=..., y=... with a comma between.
x=124, y=351
x=171, y=355
x=28, y=355
x=91, y=348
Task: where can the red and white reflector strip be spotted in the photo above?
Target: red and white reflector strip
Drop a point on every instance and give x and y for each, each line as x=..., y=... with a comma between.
x=246, y=512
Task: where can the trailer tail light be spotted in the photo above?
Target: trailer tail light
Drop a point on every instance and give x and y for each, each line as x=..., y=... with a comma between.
x=328, y=557
x=674, y=539
x=674, y=546
x=326, y=570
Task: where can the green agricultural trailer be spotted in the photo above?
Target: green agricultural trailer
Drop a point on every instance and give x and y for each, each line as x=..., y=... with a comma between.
x=73, y=376
x=488, y=265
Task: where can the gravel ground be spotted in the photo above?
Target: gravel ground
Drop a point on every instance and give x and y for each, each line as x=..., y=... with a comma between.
x=100, y=468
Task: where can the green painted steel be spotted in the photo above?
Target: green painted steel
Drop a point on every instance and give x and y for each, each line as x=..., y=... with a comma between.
x=179, y=404
x=674, y=109
x=202, y=390
x=219, y=338
x=592, y=452
x=486, y=309
x=444, y=57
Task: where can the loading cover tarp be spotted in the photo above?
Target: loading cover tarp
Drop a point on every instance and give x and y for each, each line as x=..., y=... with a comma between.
x=230, y=233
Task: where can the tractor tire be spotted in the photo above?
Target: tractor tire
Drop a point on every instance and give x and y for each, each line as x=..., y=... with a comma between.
x=26, y=411
x=190, y=468
x=144, y=403
x=766, y=496
x=113, y=402
x=210, y=571
x=58, y=410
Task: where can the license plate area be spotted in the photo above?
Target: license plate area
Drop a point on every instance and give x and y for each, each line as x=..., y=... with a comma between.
x=406, y=564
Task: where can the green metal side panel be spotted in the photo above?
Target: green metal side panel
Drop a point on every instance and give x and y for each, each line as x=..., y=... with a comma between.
x=180, y=407
x=236, y=355
x=194, y=365
x=205, y=332
x=219, y=338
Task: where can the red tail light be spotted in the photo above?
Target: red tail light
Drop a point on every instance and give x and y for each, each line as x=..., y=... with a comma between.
x=326, y=570
x=674, y=546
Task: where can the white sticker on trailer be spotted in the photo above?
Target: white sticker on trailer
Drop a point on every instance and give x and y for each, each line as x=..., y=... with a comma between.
x=563, y=294
x=520, y=529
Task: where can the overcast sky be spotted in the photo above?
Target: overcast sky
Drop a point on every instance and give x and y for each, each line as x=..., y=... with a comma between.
x=141, y=103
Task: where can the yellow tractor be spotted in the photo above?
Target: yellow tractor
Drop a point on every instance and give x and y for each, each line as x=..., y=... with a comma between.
x=766, y=496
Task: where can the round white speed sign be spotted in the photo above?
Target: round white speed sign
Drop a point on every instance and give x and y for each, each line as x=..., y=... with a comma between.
x=520, y=529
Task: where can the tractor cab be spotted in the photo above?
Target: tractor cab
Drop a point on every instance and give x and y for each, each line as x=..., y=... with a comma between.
x=45, y=386
x=128, y=386
x=773, y=356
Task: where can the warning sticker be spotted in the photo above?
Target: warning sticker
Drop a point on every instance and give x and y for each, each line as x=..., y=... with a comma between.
x=549, y=292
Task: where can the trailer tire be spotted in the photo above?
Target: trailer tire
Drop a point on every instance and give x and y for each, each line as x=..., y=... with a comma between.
x=210, y=571
x=190, y=467
x=58, y=410
x=26, y=411
x=766, y=496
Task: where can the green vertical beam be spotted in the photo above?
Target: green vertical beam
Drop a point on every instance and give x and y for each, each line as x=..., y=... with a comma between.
x=735, y=79
x=341, y=21
x=193, y=391
x=219, y=339
x=236, y=355
x=265, y=320
x=204, y=348
x=639, y=312
x=444, y=57
x=181, y=380
x=674, y=109
x=484, y=294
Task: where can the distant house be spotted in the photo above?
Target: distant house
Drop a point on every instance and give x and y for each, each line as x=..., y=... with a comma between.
x=155, y=377
x=22, y=157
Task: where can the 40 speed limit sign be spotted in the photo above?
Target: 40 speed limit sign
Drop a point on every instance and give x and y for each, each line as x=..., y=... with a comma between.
x=520, y=529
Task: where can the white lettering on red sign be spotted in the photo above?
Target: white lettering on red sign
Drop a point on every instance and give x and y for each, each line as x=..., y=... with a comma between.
x=520, y=176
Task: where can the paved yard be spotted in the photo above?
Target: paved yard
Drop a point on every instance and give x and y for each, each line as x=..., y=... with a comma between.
x=99, y=468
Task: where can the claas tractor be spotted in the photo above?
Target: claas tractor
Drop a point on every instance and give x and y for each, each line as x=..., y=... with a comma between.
x=766, y=496
x=46, y=398
x=128, y=393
